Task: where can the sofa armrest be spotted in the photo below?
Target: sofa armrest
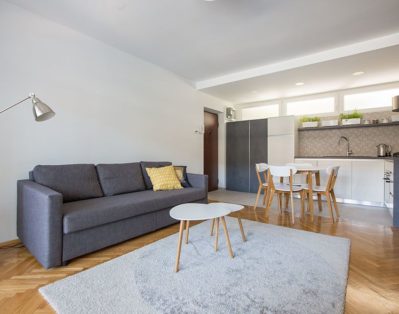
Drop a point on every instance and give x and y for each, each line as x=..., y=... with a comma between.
x=39, y=221
x=198, y=180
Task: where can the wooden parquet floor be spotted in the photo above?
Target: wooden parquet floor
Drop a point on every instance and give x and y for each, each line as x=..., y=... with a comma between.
x=373, y=285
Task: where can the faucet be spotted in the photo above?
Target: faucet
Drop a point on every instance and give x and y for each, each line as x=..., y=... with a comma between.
x=348, y=149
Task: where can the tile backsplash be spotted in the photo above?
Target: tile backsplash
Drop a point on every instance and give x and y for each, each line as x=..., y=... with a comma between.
x=363, y=141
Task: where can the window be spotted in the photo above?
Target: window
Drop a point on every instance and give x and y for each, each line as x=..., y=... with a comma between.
x=260, y=112
x=310, y=107
x=377, y=99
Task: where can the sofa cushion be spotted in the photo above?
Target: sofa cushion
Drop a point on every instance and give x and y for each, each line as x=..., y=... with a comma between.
x=164, y=178
x=74, y=182
x=181, y=172
x=151, y=164
x=87, y=214
x=120, y=178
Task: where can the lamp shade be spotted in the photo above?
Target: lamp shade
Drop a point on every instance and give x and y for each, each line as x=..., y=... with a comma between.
x=395, y=104
x=41, y=111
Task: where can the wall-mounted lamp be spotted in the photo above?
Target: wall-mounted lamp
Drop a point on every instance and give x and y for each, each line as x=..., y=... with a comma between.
x=41, y=111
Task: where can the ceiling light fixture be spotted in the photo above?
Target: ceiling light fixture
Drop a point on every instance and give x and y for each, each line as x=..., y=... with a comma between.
x=300, y=84
x=358, y=73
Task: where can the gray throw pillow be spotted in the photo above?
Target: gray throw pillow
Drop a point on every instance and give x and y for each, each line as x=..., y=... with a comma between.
x=120, y=178
x=151, y=164
x=74, y=182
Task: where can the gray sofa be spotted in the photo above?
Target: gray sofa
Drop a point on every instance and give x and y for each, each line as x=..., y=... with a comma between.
x=70, y=210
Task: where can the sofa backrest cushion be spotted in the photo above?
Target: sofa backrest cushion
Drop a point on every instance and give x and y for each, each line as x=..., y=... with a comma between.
x=120, y=178
x=151, y=164
x=74, y=182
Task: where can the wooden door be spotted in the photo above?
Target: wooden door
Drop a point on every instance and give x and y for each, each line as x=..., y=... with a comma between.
x=211, y=149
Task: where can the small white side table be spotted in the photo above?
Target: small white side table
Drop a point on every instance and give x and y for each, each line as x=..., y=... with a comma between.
x=195, y=211
x=231, y=208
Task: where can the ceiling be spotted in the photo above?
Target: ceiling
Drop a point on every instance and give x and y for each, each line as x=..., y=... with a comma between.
x=380, y=66
x=199, y=40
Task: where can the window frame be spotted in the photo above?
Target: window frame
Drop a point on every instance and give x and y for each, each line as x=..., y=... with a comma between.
x=312, y=98
x=260, y=105
x=373, y=89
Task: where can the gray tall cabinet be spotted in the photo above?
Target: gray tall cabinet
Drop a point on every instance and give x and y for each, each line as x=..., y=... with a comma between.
x=246, y=145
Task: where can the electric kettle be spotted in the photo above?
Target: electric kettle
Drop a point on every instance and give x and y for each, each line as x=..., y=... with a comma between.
x=384, y=150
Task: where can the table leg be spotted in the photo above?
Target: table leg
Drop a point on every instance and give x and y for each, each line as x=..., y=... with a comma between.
x=179, y=245
x=187, y=230
x=320, y=204
x=241, y=229
x=226, y=233
x=217, y=235
x=310, y=200
x=212, y=226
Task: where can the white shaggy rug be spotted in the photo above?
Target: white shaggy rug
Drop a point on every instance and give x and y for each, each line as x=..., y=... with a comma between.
x=278, y=270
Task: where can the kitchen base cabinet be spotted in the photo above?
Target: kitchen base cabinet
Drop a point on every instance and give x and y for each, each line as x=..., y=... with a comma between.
x=359, y=180
x=343, y=185
x=367, y=180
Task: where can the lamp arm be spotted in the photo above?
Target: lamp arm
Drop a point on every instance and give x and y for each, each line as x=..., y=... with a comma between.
x=15, y=104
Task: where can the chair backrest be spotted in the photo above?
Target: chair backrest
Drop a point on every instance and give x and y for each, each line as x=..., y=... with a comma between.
x=282, y=171
x=261, y=168
x=332, y=171
x=300, y=165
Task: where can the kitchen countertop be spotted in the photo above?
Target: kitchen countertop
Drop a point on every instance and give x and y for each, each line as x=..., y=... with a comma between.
x=343, y=157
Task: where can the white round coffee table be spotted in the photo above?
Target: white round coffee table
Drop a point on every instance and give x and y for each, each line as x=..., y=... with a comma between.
x=195, y=211
x=231, y=208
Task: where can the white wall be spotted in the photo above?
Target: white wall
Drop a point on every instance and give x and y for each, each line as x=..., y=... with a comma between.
x=111, y=106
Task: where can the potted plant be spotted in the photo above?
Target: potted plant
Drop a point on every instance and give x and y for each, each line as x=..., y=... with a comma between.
x=351, y=118
x=310, y=122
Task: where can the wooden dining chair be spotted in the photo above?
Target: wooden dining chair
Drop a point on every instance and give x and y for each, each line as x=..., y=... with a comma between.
x=261, y=170
x=282, y=188
x=302, y=176
x=328, y=191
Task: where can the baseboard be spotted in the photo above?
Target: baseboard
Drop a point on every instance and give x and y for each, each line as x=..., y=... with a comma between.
x=10, y=243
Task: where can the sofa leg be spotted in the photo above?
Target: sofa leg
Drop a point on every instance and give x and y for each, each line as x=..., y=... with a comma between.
x=64, y=263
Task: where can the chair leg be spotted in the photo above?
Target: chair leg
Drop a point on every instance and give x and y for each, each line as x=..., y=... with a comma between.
x=328, y=197
x=279, y=202
x=257, y=196
x=292, y=208
x=302, y=195
x=266, y=196
x=335, y=203
x=270, y=200
x=286, y=201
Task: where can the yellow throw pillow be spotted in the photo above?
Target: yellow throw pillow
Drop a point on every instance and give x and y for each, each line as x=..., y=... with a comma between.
x=164, y=178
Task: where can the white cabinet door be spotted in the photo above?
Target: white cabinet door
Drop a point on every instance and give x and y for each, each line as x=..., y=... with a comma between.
x=281, y=125
x=281, y=150
x=367, y=180
x=343, y=184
